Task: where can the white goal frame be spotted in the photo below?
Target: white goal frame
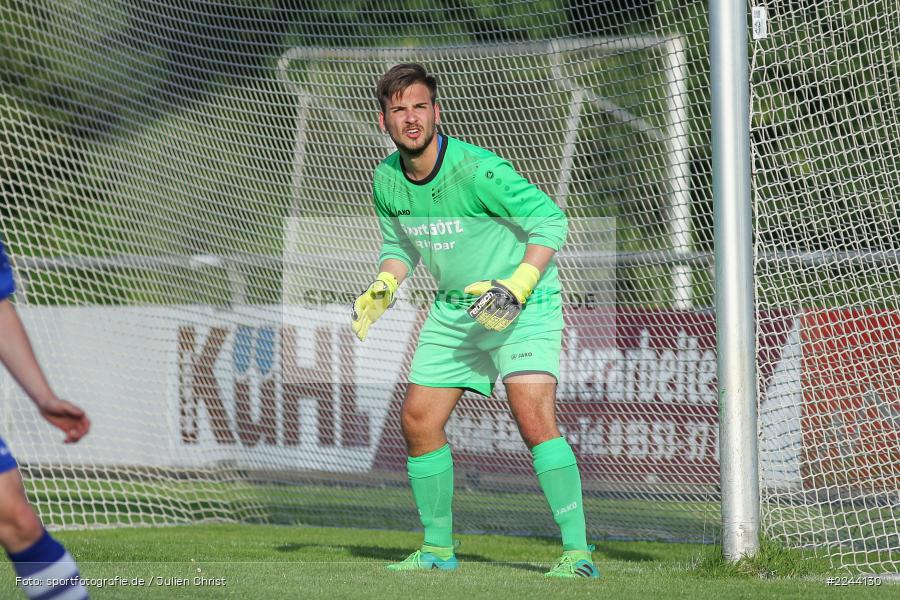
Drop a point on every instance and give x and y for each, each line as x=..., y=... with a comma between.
x=677, y=134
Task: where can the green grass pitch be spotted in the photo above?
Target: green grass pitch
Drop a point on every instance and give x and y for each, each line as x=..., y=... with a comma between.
x=266, y=561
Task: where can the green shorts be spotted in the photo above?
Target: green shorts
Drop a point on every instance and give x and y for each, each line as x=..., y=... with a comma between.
x=455, y=352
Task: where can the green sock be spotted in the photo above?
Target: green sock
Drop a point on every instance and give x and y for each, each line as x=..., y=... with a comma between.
x=557, y=472
x=431, y=479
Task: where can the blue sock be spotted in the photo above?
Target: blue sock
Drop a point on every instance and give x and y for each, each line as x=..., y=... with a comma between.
x=44, y=561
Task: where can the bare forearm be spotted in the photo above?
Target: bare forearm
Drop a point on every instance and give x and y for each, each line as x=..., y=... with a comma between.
x=18, y=356
x=538, y=256
x=395, y=267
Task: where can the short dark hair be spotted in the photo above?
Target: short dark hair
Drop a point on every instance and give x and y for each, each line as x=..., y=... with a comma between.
x=399, y=77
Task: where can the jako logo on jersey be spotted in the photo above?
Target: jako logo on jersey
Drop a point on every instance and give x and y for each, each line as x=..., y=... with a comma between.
x=567, y=508
x=402, y=212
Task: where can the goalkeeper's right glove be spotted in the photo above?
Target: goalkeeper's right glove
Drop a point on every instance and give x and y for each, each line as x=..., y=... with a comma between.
x=372, y=303
x=500, y=301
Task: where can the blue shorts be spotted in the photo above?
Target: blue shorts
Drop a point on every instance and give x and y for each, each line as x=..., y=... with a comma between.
x=7, y=462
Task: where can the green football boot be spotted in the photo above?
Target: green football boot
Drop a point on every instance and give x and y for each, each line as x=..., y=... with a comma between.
x=574, y=564
x=428, y=558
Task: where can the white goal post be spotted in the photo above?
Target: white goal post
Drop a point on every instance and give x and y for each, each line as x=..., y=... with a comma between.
x=735, y=320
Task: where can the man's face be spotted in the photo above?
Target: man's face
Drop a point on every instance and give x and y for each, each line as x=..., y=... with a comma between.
x=410, y=119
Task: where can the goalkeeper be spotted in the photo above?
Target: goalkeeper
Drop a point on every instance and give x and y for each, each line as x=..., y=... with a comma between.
x=488, y=237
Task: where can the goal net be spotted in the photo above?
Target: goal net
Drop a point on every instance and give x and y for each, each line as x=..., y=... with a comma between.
x=187, y=203
x=824, y=101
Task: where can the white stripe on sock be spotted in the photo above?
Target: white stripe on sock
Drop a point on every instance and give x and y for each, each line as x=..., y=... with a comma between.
x=61, y=569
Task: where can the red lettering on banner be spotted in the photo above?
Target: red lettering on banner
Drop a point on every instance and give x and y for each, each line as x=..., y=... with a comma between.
x=264, y=428
x=354, y=424
x=339, y=421
x=292, y=384
x=314, y=383
x=198, y=386
x=850, y=417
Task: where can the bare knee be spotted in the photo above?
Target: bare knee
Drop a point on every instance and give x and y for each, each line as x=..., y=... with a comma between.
x=532, y=399
x=536, y=436
x=420, y=429
x=422, y=418
x=20, y=526
x=412, y=421
x=536, y=424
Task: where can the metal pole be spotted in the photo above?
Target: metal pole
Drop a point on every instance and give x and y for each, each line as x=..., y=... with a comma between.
x=568, y=158
x=734, y=278
x=678, y=144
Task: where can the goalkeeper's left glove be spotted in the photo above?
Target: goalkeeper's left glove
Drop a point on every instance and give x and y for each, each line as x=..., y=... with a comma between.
x=500, y=301
x=372, y=303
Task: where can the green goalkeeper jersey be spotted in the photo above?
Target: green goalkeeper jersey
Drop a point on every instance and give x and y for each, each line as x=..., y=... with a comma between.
x=469, y=220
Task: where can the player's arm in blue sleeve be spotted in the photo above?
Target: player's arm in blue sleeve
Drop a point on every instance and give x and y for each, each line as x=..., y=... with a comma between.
x=7, y=283
x=395, y=244
x=506, y=194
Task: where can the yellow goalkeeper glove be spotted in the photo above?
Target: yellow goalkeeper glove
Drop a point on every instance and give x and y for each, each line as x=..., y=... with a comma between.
x=372, y=303
x=500, y=301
